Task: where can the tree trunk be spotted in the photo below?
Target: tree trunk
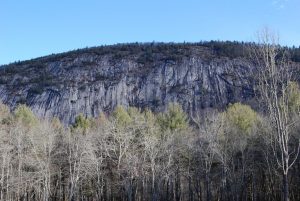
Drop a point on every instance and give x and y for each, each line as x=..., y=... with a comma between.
x=191, y=198
x=285, y=187
x=178, y=186
x=223, y=185
x=207, y=181
x=253, y=187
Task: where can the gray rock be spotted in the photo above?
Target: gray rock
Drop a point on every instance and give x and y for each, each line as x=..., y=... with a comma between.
x=88, y=83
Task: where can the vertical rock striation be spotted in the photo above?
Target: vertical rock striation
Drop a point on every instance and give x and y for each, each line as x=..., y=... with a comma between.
x=89, y=83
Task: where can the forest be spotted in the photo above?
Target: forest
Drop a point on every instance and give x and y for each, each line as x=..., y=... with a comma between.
x=138, y=155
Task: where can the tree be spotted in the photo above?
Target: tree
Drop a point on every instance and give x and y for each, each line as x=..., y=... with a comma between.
x=81, y=123
x=24, y=115
x=121, y=116
x=81, y=161
x=173, y=119
x=242, y=118
x=241, y=124
x=42, y=147
x=206, y=145
x=274, y=81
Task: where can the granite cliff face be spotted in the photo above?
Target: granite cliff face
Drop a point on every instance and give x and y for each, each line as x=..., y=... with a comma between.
x=93, y=80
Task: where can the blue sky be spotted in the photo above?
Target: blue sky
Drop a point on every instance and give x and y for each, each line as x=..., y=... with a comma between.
x=34, y=28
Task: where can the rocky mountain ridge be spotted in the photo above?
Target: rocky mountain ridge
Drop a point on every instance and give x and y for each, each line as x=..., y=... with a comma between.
x=95, y=80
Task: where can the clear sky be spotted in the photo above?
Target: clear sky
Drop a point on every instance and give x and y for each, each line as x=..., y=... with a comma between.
x=33, y=28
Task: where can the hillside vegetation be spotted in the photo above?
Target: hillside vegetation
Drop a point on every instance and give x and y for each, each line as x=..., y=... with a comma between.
x=139, y=155
x=153, y=122
x=150, y=75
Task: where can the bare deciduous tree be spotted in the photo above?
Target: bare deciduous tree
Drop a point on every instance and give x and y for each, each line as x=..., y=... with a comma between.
x=275, y=77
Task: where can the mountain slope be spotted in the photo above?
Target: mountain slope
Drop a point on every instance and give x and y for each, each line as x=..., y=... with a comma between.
x=95, y=80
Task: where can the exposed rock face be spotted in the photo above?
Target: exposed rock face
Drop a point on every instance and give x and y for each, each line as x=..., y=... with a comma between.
x=89, y=83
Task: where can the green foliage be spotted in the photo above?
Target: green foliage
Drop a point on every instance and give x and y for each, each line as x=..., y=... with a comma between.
x=149, y=116
x=5, y=117
x=241, y=117
x=133, y=112
x=293, y=97
x=81, y=123
x=24, y=115
x=173, y=119
x=152, y=127
x=121, y=116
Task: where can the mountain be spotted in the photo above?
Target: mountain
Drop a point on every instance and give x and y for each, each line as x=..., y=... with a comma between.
x=149, y=75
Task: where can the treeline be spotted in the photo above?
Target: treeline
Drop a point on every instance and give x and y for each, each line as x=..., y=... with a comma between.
x=138, y=155
x=146, y=52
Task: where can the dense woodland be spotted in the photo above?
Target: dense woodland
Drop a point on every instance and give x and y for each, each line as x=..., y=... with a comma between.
x=138, y=155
